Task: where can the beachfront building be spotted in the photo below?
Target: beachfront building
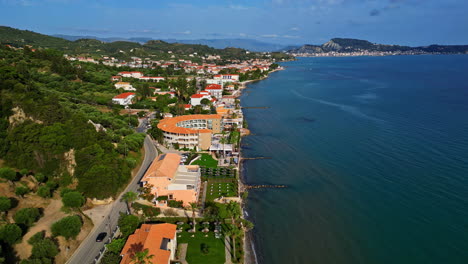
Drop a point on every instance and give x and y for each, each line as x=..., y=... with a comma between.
x=123, y=99
x=169, y=180
x=159, y=239
x=215, y=90
x=190, y=131
x=227, y=77
x=125, y=86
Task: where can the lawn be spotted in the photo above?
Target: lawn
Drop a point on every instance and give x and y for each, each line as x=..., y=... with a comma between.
x=221, y=187
x=216, y=252
x=206, y=160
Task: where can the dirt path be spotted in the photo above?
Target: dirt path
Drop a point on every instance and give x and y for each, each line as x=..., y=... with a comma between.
x=52, y=213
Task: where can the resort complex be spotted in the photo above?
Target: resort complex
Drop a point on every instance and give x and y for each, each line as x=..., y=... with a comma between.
x=190, y=131
x=170, y=181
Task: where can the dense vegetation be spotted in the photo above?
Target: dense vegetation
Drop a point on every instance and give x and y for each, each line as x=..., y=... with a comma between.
x=45, y=111
x=120, y=49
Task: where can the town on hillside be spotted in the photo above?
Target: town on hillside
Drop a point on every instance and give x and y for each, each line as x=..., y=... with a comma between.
x=148, y=166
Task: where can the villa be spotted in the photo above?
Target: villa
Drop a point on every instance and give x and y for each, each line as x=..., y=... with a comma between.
x=159, y=239
x=123, y=99
x=172, y=181
x=125, y=86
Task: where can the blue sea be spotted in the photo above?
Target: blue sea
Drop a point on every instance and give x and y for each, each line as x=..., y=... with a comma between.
x=374, y=151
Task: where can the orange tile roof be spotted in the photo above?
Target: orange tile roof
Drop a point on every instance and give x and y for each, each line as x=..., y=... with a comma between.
x=123, y=95
x=164, y=165
x=170, y=124
x=149, y=236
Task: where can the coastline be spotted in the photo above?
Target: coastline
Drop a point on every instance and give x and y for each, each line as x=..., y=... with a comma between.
x=249, y=251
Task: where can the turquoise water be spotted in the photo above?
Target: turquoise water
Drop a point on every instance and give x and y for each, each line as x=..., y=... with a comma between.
x=375, y=153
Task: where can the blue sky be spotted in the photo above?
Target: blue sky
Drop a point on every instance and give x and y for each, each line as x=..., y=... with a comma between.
x=406, y=22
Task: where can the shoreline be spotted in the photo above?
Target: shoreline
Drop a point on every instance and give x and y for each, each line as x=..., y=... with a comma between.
x=250, y=256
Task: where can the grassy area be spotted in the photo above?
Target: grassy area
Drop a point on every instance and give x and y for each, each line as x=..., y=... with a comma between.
x=216, y=252
x=221, y=187
x=206, y=160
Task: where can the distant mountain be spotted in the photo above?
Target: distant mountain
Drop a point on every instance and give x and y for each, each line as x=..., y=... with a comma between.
x=343, y=45
x=248, y=44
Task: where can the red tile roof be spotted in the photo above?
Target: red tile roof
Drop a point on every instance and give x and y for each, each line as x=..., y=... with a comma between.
x=123, y=95
x=213, y=87
x=170, y=124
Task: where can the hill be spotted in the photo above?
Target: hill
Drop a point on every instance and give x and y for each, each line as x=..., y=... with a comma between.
x=346, y=45
x=157, y=49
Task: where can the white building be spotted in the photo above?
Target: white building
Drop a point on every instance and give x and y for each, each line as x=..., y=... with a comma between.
x=215, y=90
x=227, y=77
x=123, y=99
x=153, y=79
x=197, y=98
x=124, y=85
x=133, y=74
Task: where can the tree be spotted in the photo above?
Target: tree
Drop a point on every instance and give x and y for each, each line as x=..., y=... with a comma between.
x=21, y=190
x=205, y=101
x=129, y=198
x=45, y=248
x=234, y=232
x=142, y=257
x=44, y=192
x=128, y=224
x=8, y=174
x=40, y=177
x=38, y=237
x=5, y=204
x=193, y=207
x=111, y=258
x=68, y=227
x=146, y=192
x=116, y=245
x=73, y=199
x=27, y=216
x=234, y=211
x=10, y=233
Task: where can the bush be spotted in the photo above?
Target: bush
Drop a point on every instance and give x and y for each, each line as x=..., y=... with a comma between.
x=24, y=172
x=45, y=248
x=68, y=227
x=205, y=249
x=40, y=177
x=128, y=224
x=175, y=204
x=5, y=204
x=111, y=258
x=10, y=233
x=148, y=211
x=27, y=216
x=8, y=174
x=44, y=192
x=21, y=190
x=65, y=191
x=38, y=237
x=73, y=199
x=116, y=245
x=170, y=212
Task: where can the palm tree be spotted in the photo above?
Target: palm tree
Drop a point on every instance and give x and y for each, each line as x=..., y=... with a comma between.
x=223, y=141
x=233, y=209
x=193, y=207
x=142, y=257
x=129, y=198
x=234, y=232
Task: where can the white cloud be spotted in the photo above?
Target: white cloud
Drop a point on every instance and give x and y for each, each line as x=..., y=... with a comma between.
x=238, y=7
x=295, y=29
x=269, y=36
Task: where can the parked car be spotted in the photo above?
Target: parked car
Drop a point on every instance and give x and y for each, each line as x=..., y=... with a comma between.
x=101, y=237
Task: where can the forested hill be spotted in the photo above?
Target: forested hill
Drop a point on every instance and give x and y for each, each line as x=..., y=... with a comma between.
x=46, y=105
x=342, y=45
x=120, y=49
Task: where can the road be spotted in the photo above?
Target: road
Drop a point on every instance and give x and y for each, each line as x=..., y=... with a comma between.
x=89, y=249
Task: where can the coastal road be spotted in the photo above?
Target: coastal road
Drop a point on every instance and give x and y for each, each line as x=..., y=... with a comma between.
x=89, y=249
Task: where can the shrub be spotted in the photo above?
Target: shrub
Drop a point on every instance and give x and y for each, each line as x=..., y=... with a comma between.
x=38, y=237
x=110, y=258
x=175, y=204
x=68, y=227
x=116, y=245
x=40, y=177
x=205, y=249
x=45, y=248
x=128, y=224
x=24, y=172
x=5, y=204
x=8, y=174
x=65, y=191
x=170, y=212
x=10, y=233
x=21, y=190
x=27, y=216
x=73, y=199
x=44, y=192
